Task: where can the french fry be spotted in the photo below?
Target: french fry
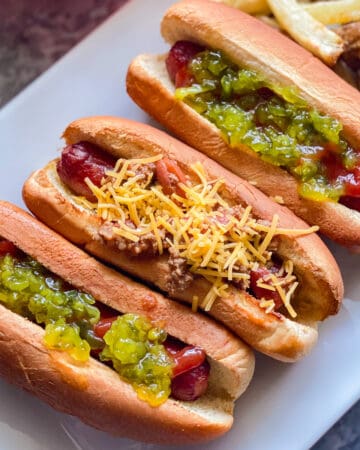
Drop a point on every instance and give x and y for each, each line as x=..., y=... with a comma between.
x=269, y=21
x=334, y=11
x=248, y=6
x=327, y=12
x=307, y=31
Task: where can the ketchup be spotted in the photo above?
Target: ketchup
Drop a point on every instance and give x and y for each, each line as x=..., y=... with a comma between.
x=191, y=370
x=103, y=326
x=185, y=357
x=338, y=174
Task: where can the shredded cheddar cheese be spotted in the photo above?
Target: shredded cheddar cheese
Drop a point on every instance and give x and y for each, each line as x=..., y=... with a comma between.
x=220, y=242
x=195, y=303
x=278, y=199
x=268, y=305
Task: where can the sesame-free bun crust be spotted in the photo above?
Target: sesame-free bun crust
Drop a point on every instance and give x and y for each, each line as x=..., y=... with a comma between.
x=250, y=43
x=94, y=392
x=320, y=291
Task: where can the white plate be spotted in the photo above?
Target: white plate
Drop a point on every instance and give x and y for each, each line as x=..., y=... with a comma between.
x=286, y=406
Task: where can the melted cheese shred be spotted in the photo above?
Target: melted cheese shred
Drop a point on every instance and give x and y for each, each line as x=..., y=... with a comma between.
x=220, y=242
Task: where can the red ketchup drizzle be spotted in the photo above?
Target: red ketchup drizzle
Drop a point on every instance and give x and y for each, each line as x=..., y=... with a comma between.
x=177, y=60
x=80, y=161
x=352, y=184
x=260, y=292
x=103, y=326
x=336, y=172
x=185, y=357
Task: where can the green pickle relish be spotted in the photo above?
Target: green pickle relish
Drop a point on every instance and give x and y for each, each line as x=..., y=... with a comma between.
x=274, y=122
x=135, y=348
x=28, y=289
x=132, y=344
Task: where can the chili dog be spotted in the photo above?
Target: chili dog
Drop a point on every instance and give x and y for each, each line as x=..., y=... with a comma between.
x=58, y=304
x=260, y=105
x=172, y=217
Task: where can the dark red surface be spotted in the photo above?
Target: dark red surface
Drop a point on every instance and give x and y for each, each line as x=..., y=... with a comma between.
x=177, y=60
x=80, y=161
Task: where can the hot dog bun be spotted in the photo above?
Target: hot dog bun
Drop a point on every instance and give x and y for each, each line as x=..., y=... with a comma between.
x=320, y=291
x=248, y=41
x=94, y=392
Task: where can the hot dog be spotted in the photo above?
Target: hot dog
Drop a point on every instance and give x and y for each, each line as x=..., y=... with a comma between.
x=161, y=349
x=172, y=217
x=261, y=106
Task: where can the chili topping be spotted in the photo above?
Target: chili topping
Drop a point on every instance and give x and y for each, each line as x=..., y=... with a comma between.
x=149, y=206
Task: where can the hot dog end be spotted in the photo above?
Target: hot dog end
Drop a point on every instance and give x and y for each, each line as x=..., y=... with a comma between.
x=150, y=207
x=156, y=365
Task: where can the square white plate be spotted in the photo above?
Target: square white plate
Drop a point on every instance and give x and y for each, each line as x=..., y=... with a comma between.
x=286, y=406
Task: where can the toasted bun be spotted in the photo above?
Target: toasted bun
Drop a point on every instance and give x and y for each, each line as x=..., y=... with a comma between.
x=320, y=291
x=94, y=392
x=249, y=42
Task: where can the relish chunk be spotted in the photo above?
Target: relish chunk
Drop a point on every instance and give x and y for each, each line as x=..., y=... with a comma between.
x=28, y=289
x=135, y=348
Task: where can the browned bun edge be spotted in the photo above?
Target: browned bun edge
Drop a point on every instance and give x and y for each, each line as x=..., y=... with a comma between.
x=147, y=73
x=94, y=392
x=277, y=337
x=282, y=338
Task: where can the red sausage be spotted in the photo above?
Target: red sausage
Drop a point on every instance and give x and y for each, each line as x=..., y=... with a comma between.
x=173, y=345
x=169, y=175
x=7, y=248
x=80, y=161
x=188, y=359
x=103, y=326
x=191, y=370
x=260, y=292
x=351, y=202
x=177, y=60
x=192, y=384
x=185, y=357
